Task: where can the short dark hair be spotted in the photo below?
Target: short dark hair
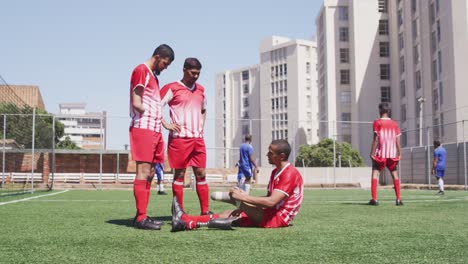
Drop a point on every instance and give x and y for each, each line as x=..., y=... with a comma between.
x=248, y=137
x=384, y=108
x=282, y=147
x=164, y=51
x=436, y=143
x=192, y=63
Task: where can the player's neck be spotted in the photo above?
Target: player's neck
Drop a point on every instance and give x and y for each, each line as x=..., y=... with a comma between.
x=187, y=83
x=151, y=63
x=281, y=165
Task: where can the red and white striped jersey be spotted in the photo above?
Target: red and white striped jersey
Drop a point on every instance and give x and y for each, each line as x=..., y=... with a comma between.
x=387, y=132
x=186, y=105
x=288, y=181
x=151, y=118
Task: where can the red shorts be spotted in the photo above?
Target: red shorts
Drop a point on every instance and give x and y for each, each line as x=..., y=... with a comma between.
x=380, y=163
x=146, y=145
x=269, y=220
x=186, y=152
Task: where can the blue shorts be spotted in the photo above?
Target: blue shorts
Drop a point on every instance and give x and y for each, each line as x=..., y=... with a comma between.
x=244, y=172
x=440, y=173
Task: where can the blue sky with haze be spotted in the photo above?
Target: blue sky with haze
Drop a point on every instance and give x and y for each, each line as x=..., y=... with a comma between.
x=84, y=51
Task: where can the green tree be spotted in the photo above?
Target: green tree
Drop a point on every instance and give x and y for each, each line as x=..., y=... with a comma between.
x=67, y=143
x=321, y=155
x=19, y=122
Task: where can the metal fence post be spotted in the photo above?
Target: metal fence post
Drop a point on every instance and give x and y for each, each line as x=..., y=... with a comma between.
x=32, y=148
x=4, y=148
x=428, y=153
x=464, y=152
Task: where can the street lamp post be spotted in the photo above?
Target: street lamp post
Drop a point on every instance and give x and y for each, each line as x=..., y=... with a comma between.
x=421, y=101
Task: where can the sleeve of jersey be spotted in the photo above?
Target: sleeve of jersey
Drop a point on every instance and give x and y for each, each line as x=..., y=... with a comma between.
x=286, y=183
x=138, y=78
x=376, y=127
x=166, y=94
x=204, y=100
x=397, y=130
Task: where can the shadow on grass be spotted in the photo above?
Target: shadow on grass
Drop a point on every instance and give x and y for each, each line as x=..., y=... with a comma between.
x=357, y=203
x=129, y=221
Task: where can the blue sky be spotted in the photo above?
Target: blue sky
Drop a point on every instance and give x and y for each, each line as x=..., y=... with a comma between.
x=84, y=51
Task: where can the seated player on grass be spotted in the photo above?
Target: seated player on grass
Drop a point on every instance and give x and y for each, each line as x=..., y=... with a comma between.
x=276, y=209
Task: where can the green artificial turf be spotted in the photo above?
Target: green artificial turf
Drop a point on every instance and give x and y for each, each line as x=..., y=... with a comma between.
x=333, y=226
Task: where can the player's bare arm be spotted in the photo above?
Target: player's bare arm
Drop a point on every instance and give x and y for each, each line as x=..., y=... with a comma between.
x=374, y=146
x=137, y=102
x=268, y=201
x=170, y=126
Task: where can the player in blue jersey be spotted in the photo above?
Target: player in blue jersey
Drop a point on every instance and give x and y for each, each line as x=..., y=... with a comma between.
x=159, y=171
x=438, y=166
x=247, y=165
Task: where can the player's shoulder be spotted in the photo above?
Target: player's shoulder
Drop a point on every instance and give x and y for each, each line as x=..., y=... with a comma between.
x=172, y=85
x=140, y=67
x=200, y=87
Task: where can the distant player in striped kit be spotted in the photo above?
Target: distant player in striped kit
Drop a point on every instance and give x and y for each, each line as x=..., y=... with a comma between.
x=385, y=152
x=186, y=145
x=276, y=209
x=146, y=141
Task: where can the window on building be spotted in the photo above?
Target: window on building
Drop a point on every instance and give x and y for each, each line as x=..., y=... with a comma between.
x=276, y=71
x=434, y=70
x=413, y=6
x=441, y=92
x=403, y=112
x=246, y=102
x=437, y=2
x=383, y=6
x=285, y=85
x=344, y=77
x=402, y=88
x=438, y=31
x=414, y=25
x=435, y=99
x=345, y=116
x=272, y=104
x=308, y=101
x=383, y=27
x=245, y=75
x=345, y=97
x=401, y=41
x=432, y=13
x=416, y=54
x=344, y=34
x=402, y=64
x=246, y=88
x=442, y=127
x=272, y=71
x=285, y=67
x=439, y=60
x=276, y=103
x=433, y=41
x=404, y=139
x=400, y=17
x=286, y=102
x=308, y=67
x=385, y=71
x=272, y=88
x=343, y=13
x=384, y=49
x=245, y=115
x=417, y=79
x=344, y=55
x=385, y=95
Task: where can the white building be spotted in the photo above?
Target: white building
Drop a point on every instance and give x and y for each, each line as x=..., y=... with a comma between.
x=87, y=130
x=372, y=51
x=276, y=99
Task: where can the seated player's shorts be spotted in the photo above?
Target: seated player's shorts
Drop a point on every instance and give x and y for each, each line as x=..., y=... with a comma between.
x=146, y=145
x=244, y=172
x=380, y=163
x=270, y=220
x=440, y=173
x=186, y=152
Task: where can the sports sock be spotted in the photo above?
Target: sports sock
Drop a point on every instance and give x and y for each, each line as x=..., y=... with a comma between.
x=178, y=191
x=441, y=184
x=374, y=184
x=203, y=194
x=192, y=220
x=396, y=185
x=247, y=188
x=139, y=192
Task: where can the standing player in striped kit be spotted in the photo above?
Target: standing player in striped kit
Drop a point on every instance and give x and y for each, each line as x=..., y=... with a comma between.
x=186, y=145
x=146, y=141
x=385, y=152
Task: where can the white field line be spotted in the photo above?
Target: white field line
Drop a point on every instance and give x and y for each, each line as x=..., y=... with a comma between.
x=404, y=201
x=30, y=198
x=78, y=201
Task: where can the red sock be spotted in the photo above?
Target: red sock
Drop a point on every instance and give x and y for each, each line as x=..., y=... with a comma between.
x=374, y=184
x=192, y=220
x=203, y=194
x=396, y=185
x=140, y=193
x=178, y=191
x=148, y=192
